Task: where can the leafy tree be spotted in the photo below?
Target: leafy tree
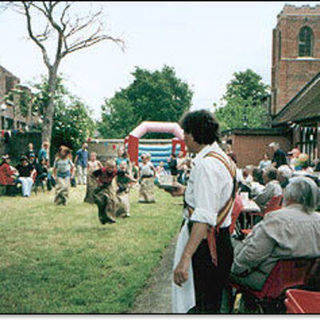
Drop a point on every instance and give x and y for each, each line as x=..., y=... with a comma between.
x=246, y=85
x=239, y=113
x=72, y=122
x=152, y=96
x=243, y=106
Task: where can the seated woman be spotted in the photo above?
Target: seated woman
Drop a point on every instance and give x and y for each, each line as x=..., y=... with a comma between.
x=284, y=175
x=26, y=171
x=8, y=174
x=288, y=233
x=272, y=188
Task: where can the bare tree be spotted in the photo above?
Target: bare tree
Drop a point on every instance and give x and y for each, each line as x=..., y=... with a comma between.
x=69, y=33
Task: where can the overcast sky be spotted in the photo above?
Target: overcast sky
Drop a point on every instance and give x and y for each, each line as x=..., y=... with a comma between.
x=206, y=42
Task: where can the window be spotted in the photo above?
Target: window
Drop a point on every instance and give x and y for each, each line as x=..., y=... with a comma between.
x=308, y=141
x=279, y=50
x=305, y=42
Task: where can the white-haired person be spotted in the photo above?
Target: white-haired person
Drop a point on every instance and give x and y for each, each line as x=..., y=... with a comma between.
x=147, y=174
x=279, y=156
x=284, y=175
x=272, y=188
x=289, y=233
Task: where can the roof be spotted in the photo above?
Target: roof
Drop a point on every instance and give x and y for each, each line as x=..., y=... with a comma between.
x=256, y=131
x=8, y=72
x=305, y=105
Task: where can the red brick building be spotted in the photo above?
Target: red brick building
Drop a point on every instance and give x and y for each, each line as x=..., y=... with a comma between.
x=10, y=115
x=295, y=53
x=295, y=89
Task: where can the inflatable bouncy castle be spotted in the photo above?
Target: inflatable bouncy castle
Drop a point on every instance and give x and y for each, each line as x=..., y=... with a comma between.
x=158, y=152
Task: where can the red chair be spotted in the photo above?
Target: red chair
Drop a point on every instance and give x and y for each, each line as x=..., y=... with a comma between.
x=302, y=301
x=274, y=204
x=285, y=274
x=237, y=208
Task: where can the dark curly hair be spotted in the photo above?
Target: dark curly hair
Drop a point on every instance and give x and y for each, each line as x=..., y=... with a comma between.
x=202, y=125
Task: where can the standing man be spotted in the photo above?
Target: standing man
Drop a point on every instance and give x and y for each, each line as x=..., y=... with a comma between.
x=204, y=253
x=279, y=156
x=81, y=161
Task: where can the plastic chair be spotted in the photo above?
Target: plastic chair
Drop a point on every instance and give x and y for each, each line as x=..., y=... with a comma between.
x=285, y=274
x=274, y=204
x=302, y=301
x=237, y=208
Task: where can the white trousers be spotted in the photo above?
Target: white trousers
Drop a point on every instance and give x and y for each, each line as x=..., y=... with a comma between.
x=82, y=175
x=27, y=184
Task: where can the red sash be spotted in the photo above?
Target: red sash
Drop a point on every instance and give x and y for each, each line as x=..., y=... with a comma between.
x=223, y=212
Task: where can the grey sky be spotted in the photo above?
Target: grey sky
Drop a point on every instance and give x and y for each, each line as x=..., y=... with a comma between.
x=206, y=42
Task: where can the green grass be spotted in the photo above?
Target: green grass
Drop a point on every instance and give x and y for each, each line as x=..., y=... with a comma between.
x=62, y=260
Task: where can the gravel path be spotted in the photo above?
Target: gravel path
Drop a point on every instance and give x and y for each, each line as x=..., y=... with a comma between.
x=156, y=297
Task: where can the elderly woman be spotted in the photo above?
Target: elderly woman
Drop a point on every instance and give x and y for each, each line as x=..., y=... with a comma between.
x=291, y=232
x=271, y=190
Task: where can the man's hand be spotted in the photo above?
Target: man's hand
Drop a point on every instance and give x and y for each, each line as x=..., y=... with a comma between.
x=177, y=191
x=181, y=274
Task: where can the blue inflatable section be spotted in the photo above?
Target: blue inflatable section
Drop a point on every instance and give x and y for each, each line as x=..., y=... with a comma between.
x=158, y=152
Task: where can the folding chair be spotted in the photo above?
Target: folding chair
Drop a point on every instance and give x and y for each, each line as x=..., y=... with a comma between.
x=302, y=301
x=285, y=274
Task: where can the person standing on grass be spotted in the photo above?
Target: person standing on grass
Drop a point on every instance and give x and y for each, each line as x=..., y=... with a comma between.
x=147, y=175
x=63, y=171
x=92, y=184
x=81, y=162
x=204, y=253
x=44, y=153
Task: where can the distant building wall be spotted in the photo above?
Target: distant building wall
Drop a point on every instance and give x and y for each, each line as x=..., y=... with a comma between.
x=250, y=146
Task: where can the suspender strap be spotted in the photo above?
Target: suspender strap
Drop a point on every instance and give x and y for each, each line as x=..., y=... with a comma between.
x=223, y=212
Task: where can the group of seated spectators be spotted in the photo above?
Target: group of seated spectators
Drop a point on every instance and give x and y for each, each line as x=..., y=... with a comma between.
x=270, y=178
x=30, y=171
x=287, y=233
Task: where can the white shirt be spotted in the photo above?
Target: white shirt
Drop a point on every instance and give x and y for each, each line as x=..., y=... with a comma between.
x=209, y=187
x=146, y=169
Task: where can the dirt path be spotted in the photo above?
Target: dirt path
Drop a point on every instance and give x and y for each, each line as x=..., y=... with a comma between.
x=156, y=297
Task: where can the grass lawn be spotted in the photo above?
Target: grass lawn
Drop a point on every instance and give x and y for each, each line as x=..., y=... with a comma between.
x=62, y=260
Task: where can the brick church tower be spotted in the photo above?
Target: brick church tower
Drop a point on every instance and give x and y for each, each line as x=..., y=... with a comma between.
x=295, y=52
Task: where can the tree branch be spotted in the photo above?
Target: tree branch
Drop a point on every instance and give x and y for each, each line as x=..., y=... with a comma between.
x=36, y=41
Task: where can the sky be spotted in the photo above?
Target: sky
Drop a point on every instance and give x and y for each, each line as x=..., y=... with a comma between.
x=206, y=42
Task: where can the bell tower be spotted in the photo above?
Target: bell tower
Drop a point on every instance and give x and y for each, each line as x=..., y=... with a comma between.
x=295, y=52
